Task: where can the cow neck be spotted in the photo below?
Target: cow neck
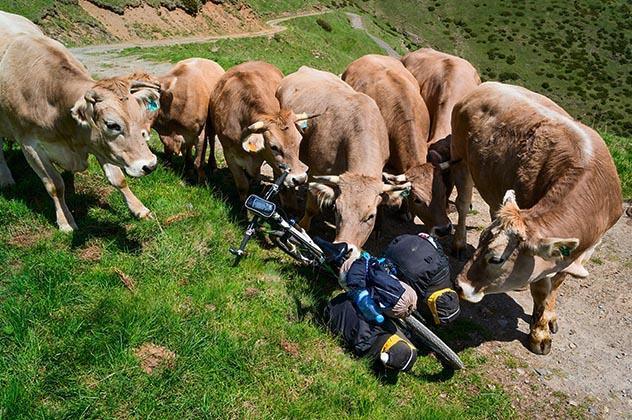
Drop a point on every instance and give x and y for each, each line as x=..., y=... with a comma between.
x=72, y=91
x=413, y=153
x=570, y=209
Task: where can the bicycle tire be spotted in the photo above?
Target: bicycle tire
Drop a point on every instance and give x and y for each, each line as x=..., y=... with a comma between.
x=433, y=342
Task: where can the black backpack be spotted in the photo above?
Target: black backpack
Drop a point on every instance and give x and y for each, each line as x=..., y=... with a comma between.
x=420, y=261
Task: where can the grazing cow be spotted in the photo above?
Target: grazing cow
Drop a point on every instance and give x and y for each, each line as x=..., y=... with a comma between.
x=184, y=107
x=396, y=93
x=253, y=127
x=552, y=189
x=59, y=114
x=443, y=80
x=346, y=148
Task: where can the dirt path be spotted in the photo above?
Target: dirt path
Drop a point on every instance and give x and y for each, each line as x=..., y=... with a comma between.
x=104, y=60
x=357, y=23
x=591, y=355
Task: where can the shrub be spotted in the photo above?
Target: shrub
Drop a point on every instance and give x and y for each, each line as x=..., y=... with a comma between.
x=324, y=24
x=506, y=75
x=545, y=85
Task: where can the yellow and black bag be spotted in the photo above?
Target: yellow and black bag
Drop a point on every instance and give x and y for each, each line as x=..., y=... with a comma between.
x=420, y=261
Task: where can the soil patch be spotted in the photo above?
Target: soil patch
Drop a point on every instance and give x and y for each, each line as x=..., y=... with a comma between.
x=152, y=356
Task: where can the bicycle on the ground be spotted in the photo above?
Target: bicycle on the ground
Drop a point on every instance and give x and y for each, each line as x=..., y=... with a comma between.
x=315, y=252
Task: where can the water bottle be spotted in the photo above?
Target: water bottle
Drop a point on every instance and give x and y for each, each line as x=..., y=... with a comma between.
x=365, y=304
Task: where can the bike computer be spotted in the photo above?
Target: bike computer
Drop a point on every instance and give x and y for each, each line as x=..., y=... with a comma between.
x=260, y=206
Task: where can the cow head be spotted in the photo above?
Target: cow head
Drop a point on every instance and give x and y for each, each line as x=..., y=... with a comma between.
x=356, y=198
x=277, y=138
x=428, y=196
x=511, y=254
x=117, y=114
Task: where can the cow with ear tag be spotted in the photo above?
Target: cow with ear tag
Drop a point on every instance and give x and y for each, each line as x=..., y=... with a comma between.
x=60, y=115
x=253, y=127
x=552, y=189
x=346, y=148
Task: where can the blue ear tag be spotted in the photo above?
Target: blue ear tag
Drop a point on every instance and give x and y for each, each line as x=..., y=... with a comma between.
x=152, y=106
x=565, y=251
x=303, y=124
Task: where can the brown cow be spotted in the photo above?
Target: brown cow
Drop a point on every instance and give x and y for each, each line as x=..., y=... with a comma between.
x=443, y=80
x=59, y=114
x=552, y=189
x=396, y=92
x=346, y=148
x=184, y=107
x=253, y=127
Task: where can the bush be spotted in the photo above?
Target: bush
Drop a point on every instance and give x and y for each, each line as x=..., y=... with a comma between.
x=324, y=24
x=508, y=75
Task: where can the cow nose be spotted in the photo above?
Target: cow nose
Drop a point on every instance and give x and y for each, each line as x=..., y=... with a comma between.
x=149, y=168
x=298, y=179
x=442, y=230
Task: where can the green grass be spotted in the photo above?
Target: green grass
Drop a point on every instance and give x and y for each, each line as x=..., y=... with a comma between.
x=304, y=43
x=69, y=327
x=577, y=53
x=621, y=150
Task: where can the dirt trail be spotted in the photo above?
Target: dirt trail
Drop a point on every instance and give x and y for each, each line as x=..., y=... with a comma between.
x=591, y=355
x=104, y=60
x=357, y=23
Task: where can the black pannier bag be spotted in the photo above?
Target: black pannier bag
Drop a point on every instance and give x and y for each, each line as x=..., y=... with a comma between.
x=420, y=261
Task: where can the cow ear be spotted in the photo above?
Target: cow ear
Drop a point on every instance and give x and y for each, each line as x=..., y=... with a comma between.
x=83, y=110
x=556, y=248
x=394, y=198
x=148, y=99
x=325, y=194
x=253, y=143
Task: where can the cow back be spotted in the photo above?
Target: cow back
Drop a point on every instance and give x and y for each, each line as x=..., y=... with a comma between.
x=348, y=135
x=561, y=170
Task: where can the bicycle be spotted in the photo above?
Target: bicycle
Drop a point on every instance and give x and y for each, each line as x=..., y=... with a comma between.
x=317, y=253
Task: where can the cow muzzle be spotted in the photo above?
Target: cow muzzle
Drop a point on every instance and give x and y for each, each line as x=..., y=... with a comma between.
x=294, y=180
x=468, y=292
x=142, y=167
x=441, y=231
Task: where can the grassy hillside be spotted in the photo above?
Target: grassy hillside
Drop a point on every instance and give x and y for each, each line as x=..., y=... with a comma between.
x=577, y=53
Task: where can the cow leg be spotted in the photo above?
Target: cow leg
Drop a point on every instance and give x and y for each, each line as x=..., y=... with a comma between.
x=239, y=175
x=53, y=183
x=464, y=186
x=200, y=158
x=544, y=318
x=311, y=210
x=115, y=176
x=6, y=179
x=210, y=137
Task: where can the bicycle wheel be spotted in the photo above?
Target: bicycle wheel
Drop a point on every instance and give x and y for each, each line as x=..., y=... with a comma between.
x=432, y=341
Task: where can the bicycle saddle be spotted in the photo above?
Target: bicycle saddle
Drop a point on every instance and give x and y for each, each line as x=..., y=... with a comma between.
x=335, y=254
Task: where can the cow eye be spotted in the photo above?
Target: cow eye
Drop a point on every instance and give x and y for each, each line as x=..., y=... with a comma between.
x=496, y=260
x=113, y=126
x=275, y=148
x=417, y=200
x=368, y=218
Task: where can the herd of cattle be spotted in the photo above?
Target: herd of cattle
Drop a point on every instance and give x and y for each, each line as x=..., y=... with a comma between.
x=385, y=132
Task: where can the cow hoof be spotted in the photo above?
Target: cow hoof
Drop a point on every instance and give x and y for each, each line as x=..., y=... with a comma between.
x=7, y=183
x=541, y=347
x=66, y=228
x=553, y=326
x=144, y=213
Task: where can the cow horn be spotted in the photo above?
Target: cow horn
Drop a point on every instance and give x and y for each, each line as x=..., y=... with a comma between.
x=394, y=178
x=398, y=187
x=259, y=125
x=510, y=197
x=326, y=179
x=304, y=116
x=136, y=85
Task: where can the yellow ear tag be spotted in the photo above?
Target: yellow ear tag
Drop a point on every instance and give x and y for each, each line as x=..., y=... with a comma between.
x=252, y=147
